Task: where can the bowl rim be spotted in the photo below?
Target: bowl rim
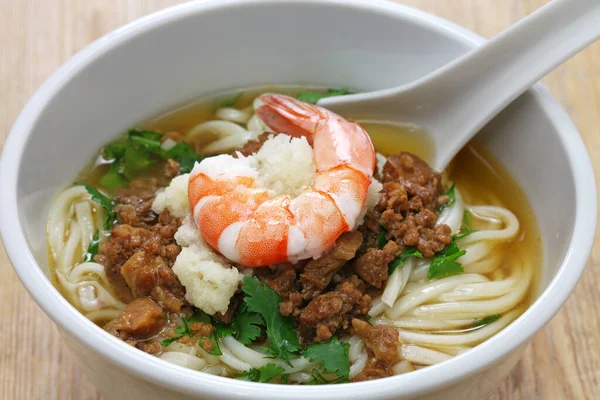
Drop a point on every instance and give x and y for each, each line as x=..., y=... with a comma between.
x=191, y=382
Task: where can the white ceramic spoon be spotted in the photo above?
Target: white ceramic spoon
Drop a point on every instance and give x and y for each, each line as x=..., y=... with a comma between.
x=454, y=102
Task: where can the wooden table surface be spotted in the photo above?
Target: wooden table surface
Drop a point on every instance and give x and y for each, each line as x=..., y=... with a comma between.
x=563, y=361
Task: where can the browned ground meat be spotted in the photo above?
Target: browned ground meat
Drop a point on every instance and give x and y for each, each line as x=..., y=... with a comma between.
x=329, y=312
x=139, y=255
x=254, y=145
x=149, y=238
x=372, y=266
x=141, y=319
x=149, y=275
x=382, y=345
x=374, y=369
x=317, y=274
x=280, y=277
x=411, y=194
x=381, y=340
x=234, y=303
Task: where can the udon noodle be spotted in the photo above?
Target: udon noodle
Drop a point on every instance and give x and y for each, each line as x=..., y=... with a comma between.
x=436, y=319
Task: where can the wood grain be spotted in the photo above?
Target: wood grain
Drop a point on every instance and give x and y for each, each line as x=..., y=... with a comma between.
x=563, y=361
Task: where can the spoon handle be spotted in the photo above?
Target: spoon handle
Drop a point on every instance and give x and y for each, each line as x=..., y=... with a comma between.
x=454, y=102
x=479, y=85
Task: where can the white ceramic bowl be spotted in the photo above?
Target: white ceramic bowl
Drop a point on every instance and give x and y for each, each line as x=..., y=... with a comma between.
x=194, y=49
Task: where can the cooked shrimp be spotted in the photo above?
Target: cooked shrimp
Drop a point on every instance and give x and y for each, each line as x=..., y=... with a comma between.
x=246, y=225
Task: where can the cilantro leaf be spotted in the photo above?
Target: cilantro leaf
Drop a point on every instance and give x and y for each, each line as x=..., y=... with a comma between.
x=444, y=263
x=314, y=97
x=319, y=379
x=214, y=348
x=252, y=375
x=92, y=249
x=185, y=155
x=465, y=229
x=451, y=193
x=136, y=160
x=222, y=330
x=105, y=202
x=264, y=374
x=269, y=371
x=247, y=327
x=486, y=320
x=232, y=100
x=399, y=261
x=149, y=144
x=112, y=179
x=201, y=316
x=263, y=300
x=145, y=134
x=332, y=354
x=382, y=238
x=184, y=330
x=116, y=149
x=168, y=341
x=137, y=152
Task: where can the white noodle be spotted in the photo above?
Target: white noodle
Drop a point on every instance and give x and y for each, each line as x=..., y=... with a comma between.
x=430, y=291
x=403, y=367
x=397, y=281
x=234, y=115
x=357, y=366
x=422, y=355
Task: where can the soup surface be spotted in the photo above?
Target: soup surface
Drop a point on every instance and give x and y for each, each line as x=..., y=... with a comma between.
x=428, y=266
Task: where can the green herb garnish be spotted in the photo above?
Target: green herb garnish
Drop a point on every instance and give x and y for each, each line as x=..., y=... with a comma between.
x=105, y=202
x=284, y=378
x=486, y=320
x=245, y=327
x=451, y=195
x=185, y=155
x=465, y=229
x=399, y=261
x=135, y=161
x=215, y=349
x=444, y=263
x=230, y=102
x=145, y=134
x=332, y=354
x=141, y=149
x=263, y=300
x=113, y=179
x=264, y=374
x=382, y=238
x=184, y=330
x=168, y=341
x=314, y=97
x=319, y=379
x=92, y=249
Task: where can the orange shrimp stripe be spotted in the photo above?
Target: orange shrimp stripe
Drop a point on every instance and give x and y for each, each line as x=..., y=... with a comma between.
x=343, y=181
x=319, y=218
x=235, y=206
x=202, y=185
x=263, y=239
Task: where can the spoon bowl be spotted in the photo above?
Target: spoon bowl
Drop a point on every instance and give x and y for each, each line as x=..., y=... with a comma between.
x=454, y=102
